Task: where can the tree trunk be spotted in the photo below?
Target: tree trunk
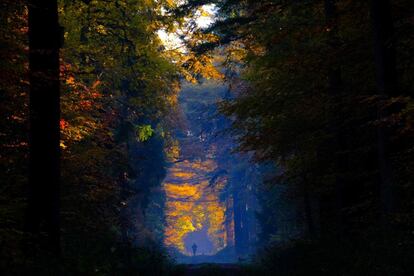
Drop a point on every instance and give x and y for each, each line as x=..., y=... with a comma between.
x=44, y=174
x=229, y=223
x=386, y=79
x=238, y=241
x=240, y=218
x=251, y=214
x=338, y=144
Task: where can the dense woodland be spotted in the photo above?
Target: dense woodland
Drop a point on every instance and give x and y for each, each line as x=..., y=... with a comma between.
x=300, y=116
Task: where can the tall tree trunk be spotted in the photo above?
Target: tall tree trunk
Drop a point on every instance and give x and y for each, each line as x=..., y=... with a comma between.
x=386, y=79
x=238, y=240
x=44, y=175
x=251, y=212
x=240, y=217
x=338, y=145
x=229, y=223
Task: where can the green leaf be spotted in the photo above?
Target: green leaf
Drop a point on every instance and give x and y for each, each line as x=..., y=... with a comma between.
x=144, y=132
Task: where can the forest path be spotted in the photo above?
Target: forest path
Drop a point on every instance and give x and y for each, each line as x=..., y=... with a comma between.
x=213, y=269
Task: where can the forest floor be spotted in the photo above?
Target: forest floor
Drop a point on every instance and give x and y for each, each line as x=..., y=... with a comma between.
x=227, y=257
x=213, y=269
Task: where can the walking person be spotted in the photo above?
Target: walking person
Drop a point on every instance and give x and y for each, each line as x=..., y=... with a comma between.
x=194, y=247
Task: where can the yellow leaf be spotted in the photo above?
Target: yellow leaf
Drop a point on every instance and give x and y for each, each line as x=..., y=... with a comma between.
x=62, y=145
x=101, y=29
x=70, y=80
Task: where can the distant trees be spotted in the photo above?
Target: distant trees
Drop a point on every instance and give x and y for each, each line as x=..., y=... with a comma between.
x=232, y=183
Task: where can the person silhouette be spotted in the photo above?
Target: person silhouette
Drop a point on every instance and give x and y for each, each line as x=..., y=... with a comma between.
x=194, y=247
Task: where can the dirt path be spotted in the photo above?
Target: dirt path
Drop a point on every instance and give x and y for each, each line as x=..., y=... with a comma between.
x=213, y=269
